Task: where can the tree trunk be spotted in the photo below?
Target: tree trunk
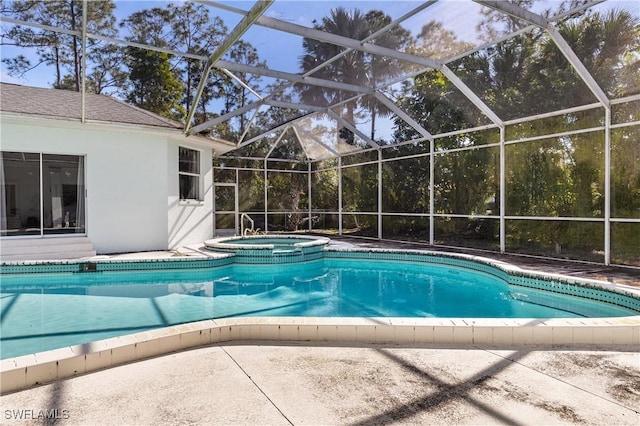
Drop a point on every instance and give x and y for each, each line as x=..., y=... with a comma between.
x=57, y=55
x=373, y=124
x=76, y=55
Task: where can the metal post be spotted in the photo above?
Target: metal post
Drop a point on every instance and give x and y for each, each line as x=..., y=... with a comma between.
x=379, y=193
x=83, y=61
x=503, y=192
x=236, y=204
x=432, y=202
x=607, y=186
x=309, y=193
x=266, y=197
x=339, y=195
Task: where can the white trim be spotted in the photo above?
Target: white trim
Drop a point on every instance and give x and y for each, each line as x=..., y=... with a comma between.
x=199, y=176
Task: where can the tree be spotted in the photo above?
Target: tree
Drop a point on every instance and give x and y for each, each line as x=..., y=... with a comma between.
x=106, y=72
x=60, y=50
x=236, y=95
x=608, y=45
x=355, y=67
x=496, y=23
x=193, y=30
x=436, y=42
x=153, y=86
x=190, y=28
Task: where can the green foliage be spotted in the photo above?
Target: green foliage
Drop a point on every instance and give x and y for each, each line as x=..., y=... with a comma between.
x=406, y=185
x=625, y=173
x=558, y=176
x=154, y=86
x=60, y=50
x=324, y=186
x=360, y=188
x=355, y=66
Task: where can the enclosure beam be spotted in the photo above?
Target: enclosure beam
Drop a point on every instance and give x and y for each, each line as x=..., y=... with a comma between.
x=273, y=129
x=379, y=194
x=373, y=49
x=310, y=227
x=578, y=66
x=351, y=127
x=403, y=115
x=340, y=196
x=521, y=13
x=299, y=140
x=432, y=190
x=250, y=124
x=607, y=187
x=316, y=140
x=294, y=78
x=242, y=83
x=275, y=144
x=211, y=123
x=266, y=195
x=479, y=103
x=83, y=61
x=503, y=192
x=254, y=13
x=291, y=105
x=236, y=204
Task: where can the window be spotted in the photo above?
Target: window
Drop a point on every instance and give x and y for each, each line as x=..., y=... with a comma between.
x=189, y=173
x=41, y=194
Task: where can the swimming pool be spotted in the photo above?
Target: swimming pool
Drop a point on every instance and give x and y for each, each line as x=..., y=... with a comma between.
x=104, y=307
x=52, y=310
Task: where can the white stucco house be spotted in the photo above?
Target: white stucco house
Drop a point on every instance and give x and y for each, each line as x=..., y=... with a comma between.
x=119, y=179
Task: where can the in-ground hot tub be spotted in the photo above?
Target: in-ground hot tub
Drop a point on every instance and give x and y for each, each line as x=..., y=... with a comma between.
x=270, y=248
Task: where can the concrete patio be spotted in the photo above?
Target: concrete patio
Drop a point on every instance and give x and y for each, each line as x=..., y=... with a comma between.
x=303, y=383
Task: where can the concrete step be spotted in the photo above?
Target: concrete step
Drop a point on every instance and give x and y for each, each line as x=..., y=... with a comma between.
x=46, y=248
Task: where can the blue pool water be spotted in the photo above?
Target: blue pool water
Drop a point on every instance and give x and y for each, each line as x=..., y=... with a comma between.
x=47, y=311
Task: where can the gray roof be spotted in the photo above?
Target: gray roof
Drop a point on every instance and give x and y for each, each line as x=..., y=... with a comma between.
x=66, y=104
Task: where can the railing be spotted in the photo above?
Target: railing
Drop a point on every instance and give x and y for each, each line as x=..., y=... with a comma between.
x=243, y=230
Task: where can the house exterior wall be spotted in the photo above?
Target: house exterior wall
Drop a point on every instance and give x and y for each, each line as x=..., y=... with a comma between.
x=189, y=221
x=131, y=181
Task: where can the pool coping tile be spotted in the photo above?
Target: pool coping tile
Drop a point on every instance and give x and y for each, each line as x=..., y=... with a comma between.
x=35, y=369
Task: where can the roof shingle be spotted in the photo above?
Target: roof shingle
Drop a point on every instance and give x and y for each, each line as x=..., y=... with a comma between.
x=67, y=104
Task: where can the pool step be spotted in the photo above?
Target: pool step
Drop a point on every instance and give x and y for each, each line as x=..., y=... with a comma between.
x=294, y=251
x=46, y=248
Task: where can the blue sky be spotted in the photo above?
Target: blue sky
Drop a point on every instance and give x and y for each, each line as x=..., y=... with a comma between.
x=282, y=51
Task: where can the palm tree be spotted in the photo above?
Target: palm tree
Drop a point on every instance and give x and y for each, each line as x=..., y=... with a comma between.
x=355, y=67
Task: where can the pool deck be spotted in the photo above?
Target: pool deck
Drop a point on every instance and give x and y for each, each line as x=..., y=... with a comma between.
x=329, y=382
x=250, y=383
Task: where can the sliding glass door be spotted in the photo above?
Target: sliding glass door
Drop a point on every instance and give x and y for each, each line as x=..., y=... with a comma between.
x=41, y=194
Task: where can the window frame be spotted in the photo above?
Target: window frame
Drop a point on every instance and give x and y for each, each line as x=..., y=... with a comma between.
x=191, y=174
x=43, y=205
